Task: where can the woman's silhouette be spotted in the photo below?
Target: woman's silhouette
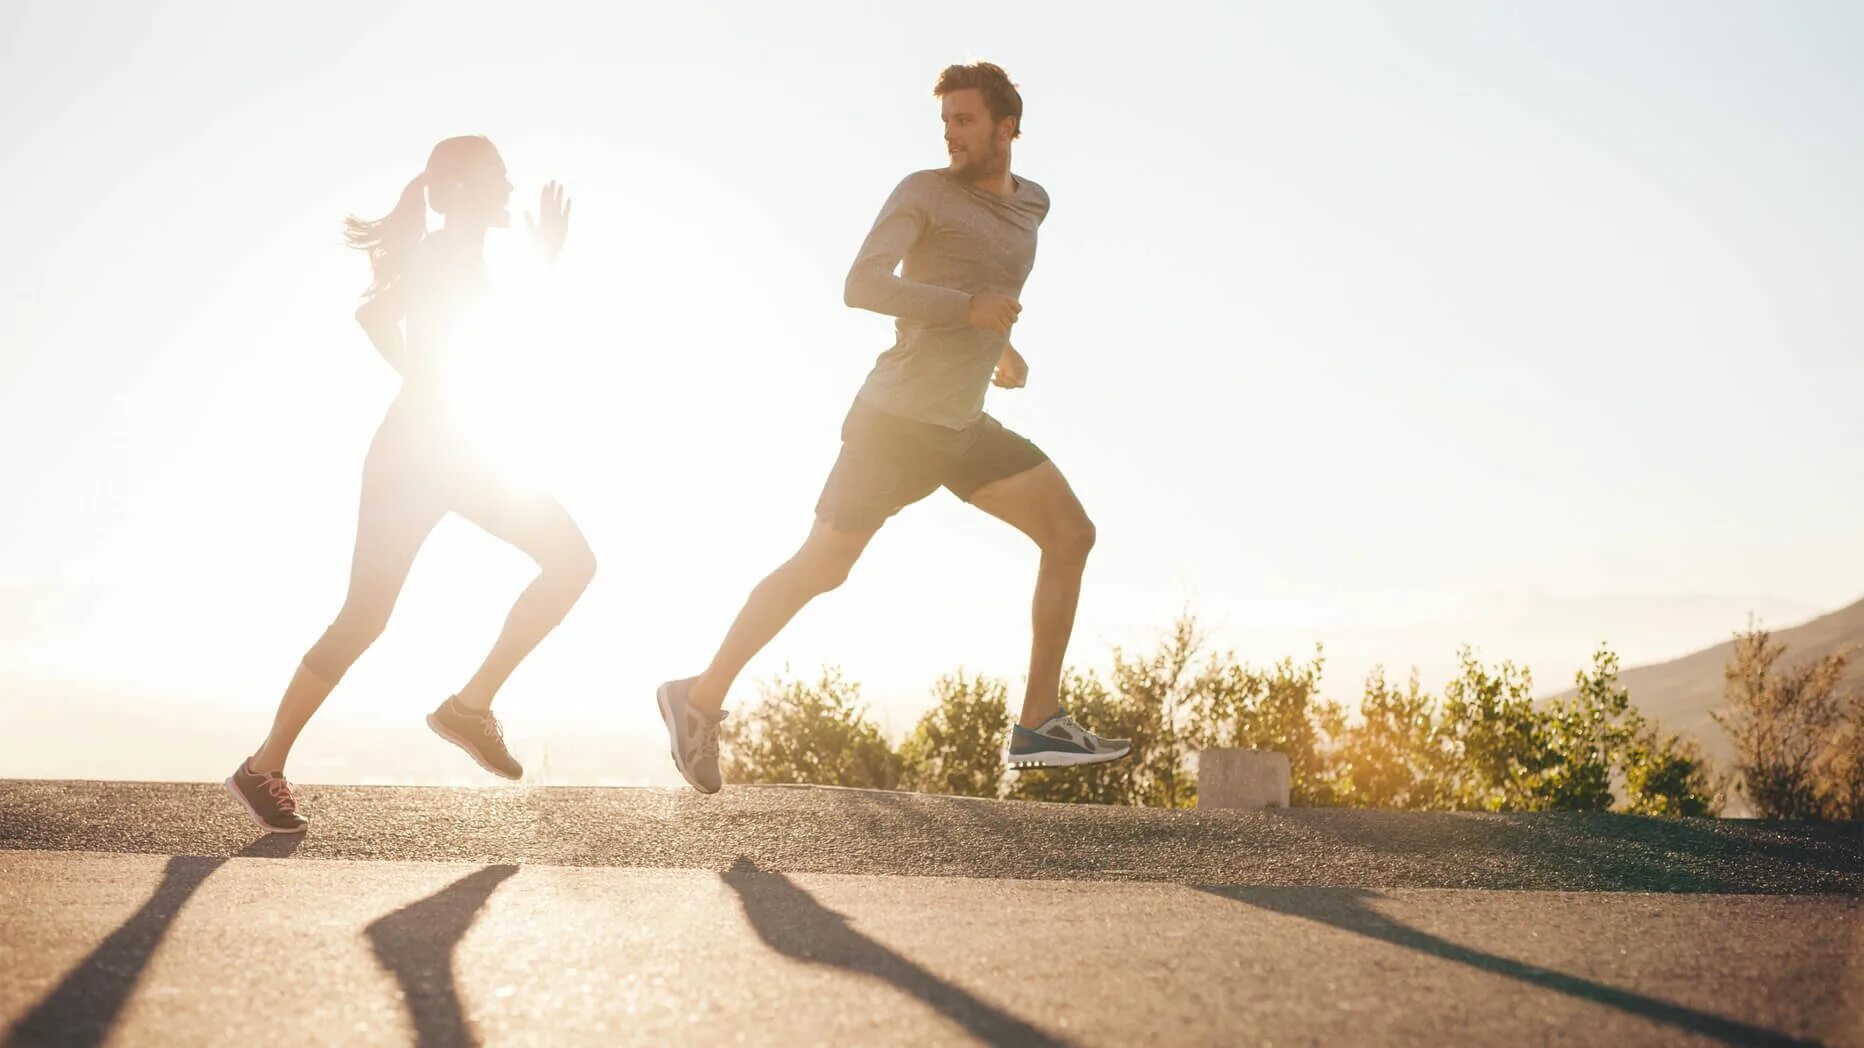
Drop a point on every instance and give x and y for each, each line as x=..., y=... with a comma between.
x=421, y=465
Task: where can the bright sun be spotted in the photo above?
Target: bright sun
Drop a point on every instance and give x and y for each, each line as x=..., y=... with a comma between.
x=519, y=384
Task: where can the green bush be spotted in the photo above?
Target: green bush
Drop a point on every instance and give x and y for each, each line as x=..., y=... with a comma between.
x=1799, y=741
x=957, y=747
x=809, y=733
x=1483, y=745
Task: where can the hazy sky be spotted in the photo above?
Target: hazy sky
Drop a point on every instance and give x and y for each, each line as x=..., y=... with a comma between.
x=1384, y=327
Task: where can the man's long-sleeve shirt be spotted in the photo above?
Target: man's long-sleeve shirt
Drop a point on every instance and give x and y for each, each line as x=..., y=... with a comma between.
x=950, y=241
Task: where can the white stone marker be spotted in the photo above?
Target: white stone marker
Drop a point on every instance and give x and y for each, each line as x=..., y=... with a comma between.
x=1229, y=778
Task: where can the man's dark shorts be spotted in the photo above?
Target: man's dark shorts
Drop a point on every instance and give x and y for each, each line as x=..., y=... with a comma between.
x=888, y=462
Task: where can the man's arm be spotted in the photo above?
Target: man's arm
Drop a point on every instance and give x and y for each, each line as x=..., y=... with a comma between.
x=872, y=284
x=1012, y=370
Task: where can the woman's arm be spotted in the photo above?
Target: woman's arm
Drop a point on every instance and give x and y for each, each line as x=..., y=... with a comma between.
x=380, y=318
x=401, y=331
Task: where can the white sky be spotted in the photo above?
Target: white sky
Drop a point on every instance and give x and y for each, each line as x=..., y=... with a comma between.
x=1389, y=328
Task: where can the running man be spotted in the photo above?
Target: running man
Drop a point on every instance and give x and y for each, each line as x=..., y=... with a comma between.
x=423, y=464
x=967, y=237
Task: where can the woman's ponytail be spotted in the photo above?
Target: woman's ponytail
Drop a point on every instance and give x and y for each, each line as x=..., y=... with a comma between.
x=389, y=239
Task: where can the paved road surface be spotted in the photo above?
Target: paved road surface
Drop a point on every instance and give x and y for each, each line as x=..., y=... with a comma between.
x=149, y=914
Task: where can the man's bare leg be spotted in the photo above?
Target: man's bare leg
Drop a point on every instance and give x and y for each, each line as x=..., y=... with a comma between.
x=1039, y=503
x=820, y=565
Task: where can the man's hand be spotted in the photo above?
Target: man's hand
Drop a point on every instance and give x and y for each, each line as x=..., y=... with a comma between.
x=1012, y=370
x=552, y=221
x=994, y=312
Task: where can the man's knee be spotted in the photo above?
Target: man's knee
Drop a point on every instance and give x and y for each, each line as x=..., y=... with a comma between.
x=819, y=568
x=1072, y=539
x=818, y=573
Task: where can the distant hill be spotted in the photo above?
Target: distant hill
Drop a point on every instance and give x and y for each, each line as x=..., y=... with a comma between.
x=1681, y=693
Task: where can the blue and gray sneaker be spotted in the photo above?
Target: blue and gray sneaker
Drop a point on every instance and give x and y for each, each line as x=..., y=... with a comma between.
x=1061, y=743
x=694, y=735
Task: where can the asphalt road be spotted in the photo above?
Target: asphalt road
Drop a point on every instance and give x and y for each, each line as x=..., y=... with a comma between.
x=816, y=830
x=153, y=914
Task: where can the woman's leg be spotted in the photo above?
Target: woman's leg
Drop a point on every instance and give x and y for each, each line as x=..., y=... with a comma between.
x=396, y=514
x=539, y=526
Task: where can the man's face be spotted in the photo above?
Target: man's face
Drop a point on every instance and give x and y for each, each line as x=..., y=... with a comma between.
x=975, y=143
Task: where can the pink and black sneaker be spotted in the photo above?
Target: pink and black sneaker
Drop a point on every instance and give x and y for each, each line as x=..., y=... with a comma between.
x=267, y=797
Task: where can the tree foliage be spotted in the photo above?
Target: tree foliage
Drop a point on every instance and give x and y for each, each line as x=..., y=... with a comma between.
x=1483, y=744
x=1796, y=735
x=957, y=747
x=809, y=733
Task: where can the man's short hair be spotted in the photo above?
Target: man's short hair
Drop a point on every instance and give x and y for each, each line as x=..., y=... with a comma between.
x=1000, y=96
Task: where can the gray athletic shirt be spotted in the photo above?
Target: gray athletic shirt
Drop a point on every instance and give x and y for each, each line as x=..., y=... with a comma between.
x=950, y=241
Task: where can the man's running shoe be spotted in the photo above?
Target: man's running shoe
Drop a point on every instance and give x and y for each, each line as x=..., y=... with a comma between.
x=694, y=736
x=477, y=732
x=267, y=798
x=1061, y=743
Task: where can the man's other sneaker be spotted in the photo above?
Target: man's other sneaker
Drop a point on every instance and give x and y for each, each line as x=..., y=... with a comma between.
x=477, y=732
x=267, y=798
x=1061, y=743
x=694, y=736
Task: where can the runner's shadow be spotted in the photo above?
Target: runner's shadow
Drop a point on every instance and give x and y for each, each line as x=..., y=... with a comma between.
x=415, y=944
x=1348, y=909
x=84, y=1006
x=793, y=923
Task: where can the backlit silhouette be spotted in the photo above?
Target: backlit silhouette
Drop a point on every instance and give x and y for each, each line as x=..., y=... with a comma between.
x=424, y=463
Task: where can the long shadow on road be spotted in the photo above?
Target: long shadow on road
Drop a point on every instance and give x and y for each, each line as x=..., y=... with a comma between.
x=83, y=1008
x=793, y=923
x=415, y=944
x=1600, y=851
x=1348, y=909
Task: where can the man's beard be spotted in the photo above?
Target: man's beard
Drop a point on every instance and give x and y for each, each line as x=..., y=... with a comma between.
x=977, y=166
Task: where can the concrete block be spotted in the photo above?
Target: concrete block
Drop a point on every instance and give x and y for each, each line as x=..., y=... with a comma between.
x=1231, y=778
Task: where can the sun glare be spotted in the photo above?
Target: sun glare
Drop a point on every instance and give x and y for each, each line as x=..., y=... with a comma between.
x=507, y=383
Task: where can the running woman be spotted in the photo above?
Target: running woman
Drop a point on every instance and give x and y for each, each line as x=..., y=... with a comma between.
x=966, y=234
x=423, y=464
